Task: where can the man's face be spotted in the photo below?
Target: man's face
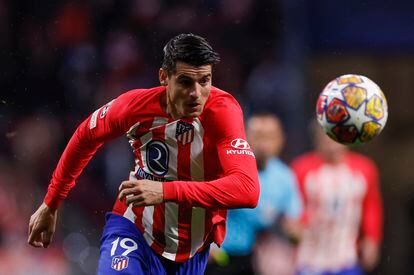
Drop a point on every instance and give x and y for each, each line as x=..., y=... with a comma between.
x=265, y=136
x=188, y=89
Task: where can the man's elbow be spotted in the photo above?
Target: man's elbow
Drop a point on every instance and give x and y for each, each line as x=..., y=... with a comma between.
x=253, y=201
x=252, y=195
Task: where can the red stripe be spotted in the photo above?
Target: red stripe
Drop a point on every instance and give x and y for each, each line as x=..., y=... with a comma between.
x=158, y=227
x=157, y=248
x=184, y=212
x=184, y=233
x=208, y=225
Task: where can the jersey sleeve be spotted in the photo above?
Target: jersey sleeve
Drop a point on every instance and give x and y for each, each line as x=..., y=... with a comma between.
x=372, y=212
x=104, y=124
x=239, y=186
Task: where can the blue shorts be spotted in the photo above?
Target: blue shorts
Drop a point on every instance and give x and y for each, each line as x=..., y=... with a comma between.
x=353, y=270
x=125, y=251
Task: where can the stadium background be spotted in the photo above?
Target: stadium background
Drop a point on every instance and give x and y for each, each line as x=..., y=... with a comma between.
x=61, y=60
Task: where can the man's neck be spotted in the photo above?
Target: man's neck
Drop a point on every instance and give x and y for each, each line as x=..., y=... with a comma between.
x=168, y=106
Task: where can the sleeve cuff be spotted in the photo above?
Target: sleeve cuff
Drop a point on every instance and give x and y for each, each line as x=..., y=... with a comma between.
x=51, y=201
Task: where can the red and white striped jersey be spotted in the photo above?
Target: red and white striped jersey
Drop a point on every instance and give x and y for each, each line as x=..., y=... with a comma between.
x=342, y=203
x=205, y=164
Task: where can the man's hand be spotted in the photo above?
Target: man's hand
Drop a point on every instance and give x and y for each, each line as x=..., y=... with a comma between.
x=42, y=226
x=141, y=192
x=369, y=254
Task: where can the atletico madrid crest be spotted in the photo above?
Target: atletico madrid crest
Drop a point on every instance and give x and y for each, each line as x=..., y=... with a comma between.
x=119, y=262
x=184, y=132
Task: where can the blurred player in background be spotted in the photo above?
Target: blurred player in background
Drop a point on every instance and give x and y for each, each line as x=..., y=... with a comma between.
x=342, y=209
x=192, y=163
x=279, y=201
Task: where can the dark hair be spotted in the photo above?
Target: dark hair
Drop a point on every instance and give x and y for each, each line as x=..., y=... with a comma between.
x=190, y=49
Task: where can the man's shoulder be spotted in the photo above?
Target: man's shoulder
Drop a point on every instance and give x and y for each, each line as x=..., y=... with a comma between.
x=218, y=95
x=219, y=100
x=141, y=98
x=305, y=163
x=142, y=93
x=360, y=162
x=358, y=157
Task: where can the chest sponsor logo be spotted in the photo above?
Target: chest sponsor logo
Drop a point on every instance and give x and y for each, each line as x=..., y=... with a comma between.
x=157, y=157
x=241, y=147
x=184, y=132
x=141, y=174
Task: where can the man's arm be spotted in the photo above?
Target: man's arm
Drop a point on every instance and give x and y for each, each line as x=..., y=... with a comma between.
x=104, y=124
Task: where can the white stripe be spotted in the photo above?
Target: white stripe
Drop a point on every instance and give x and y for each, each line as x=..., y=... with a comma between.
x=171, y=143
x=147, y=222
x=129, y=214
x=132, y=174
x=92, y=122
x=191, y=134
x=197, y=174
x=171, y=230
x=158, y=121
x=197, y=229
x=196, y=157
x=132, y=131
x=185, y=137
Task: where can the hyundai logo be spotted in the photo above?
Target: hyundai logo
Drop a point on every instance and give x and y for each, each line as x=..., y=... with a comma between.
x=240, y=143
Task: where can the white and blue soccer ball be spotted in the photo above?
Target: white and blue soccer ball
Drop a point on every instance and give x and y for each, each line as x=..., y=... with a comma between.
x=352, y=109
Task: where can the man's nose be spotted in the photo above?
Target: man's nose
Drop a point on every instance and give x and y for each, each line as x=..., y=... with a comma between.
x=196, y=91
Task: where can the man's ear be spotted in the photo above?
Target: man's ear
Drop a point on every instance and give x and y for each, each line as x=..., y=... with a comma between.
x=163, y=77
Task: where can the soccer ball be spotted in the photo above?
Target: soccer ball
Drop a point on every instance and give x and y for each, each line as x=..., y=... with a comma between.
x=352, y=109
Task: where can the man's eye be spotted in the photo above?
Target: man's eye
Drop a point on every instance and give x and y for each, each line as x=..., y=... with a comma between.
x=185, y=82
x=204, y=81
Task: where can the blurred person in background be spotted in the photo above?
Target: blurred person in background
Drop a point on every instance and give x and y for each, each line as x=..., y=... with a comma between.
x=192, y=163
x=278, y=210
x=342, y=209
x=31, y=156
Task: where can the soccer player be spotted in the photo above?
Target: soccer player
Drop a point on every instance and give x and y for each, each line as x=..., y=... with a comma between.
x=192, y=163
x=279, y=202
x=343, y=210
